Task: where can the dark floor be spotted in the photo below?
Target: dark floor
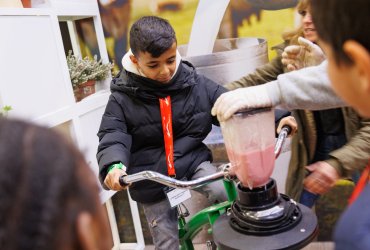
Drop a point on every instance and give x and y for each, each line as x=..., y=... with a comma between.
x=311, y=246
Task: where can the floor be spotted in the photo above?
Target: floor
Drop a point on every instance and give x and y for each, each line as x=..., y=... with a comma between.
x=312, y=246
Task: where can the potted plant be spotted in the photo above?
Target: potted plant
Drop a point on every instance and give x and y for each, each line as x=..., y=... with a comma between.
x=84, y=73
x=4, y=110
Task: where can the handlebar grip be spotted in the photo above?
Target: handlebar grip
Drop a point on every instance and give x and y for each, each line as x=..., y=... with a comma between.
x=122, y=181
x=287, y=128
x=283, y=134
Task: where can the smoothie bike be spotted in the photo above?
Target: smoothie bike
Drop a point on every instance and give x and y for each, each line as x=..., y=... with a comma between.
x=255, y=216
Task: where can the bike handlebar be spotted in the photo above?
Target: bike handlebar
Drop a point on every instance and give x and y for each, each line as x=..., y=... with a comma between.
x=172, y=182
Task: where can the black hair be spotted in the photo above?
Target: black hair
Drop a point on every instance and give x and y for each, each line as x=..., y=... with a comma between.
x=337, y=21
x=44, y=184
x=151, y=34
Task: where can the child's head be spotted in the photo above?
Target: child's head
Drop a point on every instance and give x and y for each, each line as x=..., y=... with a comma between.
x=153, y=44
x=49, y=195
x=344, y=35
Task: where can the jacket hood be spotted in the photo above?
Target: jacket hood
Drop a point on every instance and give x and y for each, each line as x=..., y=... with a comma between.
x=128, y=65
x=139, y=86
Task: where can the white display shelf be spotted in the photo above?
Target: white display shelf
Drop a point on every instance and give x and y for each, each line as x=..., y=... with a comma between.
x=35, y=80
x=74, y=7
x=26, y=11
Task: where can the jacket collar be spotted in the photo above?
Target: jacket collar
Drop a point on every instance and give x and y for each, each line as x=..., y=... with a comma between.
x=140, y=86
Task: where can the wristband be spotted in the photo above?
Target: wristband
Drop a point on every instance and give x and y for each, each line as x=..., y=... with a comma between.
x=117, y=166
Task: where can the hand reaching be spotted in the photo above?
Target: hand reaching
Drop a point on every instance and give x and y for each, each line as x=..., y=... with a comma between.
x=305, y=54
x=323, y=176
x=230, y=102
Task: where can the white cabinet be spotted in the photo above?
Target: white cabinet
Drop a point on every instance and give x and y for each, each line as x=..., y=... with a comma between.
x=35, y=79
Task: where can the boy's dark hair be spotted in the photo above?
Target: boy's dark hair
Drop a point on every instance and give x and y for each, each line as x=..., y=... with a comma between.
x=151, y=34
x=337, y=21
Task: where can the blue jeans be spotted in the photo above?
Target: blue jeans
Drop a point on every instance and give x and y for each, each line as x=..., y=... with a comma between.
x=308, y=199
x=162, y=219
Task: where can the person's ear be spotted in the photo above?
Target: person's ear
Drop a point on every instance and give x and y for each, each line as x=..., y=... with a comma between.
x=133, y=59
x=361, y=58
x=85, y=231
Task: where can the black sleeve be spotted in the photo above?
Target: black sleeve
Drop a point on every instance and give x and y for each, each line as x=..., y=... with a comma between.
x=214, y=90
x=114, y=139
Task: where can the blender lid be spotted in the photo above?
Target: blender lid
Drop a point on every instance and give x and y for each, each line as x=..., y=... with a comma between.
x=251, y=111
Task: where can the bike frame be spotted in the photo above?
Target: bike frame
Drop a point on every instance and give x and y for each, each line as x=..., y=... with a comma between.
x=188, y=230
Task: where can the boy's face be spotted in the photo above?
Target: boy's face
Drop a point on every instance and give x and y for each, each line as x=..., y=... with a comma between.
x=160, y=69
x=351, y=83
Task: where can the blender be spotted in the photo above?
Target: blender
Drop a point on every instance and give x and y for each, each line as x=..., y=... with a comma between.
x=260, y=218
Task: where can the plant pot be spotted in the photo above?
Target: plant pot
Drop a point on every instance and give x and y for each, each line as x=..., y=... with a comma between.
x=86, y=89
x=26, y=3
x=76, y=92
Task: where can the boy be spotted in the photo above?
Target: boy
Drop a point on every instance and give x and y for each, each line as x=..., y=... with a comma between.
x=345, y=39
x=131, y=130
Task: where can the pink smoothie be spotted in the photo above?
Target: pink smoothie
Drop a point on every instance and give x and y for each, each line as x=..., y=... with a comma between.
x=253, y=168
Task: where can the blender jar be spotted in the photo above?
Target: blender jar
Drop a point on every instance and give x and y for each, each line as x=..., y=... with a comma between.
x=249, y=137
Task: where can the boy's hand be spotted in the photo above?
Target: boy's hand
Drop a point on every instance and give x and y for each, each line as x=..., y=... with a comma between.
x=323, y=176
x=305, y=54
x=289, y=121
x=230, y=102
x=112, y=179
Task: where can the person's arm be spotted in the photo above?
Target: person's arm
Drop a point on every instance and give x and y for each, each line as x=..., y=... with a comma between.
x=308, y=88
x=261, y=75
x=355, y=154
x=114, y=140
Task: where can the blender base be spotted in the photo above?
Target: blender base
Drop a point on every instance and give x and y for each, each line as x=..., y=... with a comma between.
x=297, y=237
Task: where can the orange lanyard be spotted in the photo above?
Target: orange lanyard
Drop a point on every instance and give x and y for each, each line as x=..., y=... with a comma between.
x=166, y=115
x=364, y=179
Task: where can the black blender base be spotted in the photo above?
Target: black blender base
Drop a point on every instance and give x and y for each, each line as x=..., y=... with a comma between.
x=299, y=236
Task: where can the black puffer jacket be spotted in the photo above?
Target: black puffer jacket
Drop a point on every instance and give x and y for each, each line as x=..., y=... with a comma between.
x=131, y=128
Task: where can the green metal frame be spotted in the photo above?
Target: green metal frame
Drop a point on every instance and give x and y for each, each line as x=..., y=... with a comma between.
x=188, y=230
